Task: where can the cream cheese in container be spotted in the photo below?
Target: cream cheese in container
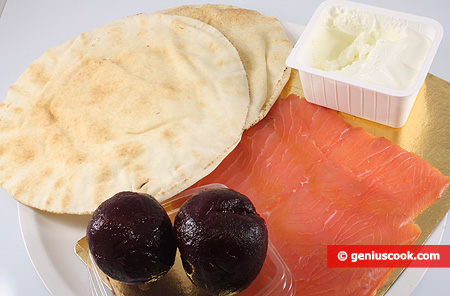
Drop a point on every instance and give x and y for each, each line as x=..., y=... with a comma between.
x=366, y=61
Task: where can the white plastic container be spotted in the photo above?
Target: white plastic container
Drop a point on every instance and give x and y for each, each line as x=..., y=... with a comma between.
x=387, y=106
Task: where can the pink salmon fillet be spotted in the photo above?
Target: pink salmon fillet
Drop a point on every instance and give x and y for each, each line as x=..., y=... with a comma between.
x=317, y=180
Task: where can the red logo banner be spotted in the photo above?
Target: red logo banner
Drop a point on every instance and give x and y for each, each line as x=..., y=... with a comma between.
x=388, y=256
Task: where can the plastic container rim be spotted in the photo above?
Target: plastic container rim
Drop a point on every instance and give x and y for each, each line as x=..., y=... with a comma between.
x=293, y=62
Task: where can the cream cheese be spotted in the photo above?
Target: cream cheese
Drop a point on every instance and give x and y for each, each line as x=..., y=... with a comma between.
x=368, y=47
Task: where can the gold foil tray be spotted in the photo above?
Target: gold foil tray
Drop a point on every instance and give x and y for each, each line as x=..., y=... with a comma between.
x=426, y=133
x=175, y=282
x=273, y=279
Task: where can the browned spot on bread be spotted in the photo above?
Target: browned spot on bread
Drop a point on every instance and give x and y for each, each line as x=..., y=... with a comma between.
x=103, y=174
x=65, y=200
x=37, y=74
x=169, y=134
x=20, y=150
x=47, y=172
x=129, y=150
x=220, y=63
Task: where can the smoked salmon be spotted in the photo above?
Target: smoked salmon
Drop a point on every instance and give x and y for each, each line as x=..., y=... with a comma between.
x=317, y=181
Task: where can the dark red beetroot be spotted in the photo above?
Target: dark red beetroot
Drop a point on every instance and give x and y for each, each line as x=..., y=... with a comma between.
x=130, y=237
x=222, y=240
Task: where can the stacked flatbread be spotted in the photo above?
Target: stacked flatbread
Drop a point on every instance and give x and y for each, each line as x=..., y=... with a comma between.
x=261, y=43
x=151, y=103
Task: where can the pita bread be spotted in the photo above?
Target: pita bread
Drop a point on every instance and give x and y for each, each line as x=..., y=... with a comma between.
x=262, y=44
x=127, y=106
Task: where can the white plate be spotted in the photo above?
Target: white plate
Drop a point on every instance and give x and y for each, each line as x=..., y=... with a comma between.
x=50, y=240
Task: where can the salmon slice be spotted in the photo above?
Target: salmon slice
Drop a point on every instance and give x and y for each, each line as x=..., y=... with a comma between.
x=390, y=174
x=318, y=181
x=302, y=225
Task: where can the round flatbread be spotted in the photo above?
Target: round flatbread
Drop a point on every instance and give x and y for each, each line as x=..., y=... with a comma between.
x=149, y=103
x=262, y=44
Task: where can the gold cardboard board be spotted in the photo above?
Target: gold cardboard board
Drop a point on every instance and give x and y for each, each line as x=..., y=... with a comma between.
x=426, y=133
x=175, y=282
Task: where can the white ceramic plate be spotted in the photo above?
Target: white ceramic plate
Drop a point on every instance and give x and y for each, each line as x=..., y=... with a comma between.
x=50, y=240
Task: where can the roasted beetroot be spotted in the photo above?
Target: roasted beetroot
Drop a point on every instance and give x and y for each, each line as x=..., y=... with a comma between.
x=222, y=240
x=131, y=239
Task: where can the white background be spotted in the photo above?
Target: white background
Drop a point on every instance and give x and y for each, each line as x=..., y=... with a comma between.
x=29, y=27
